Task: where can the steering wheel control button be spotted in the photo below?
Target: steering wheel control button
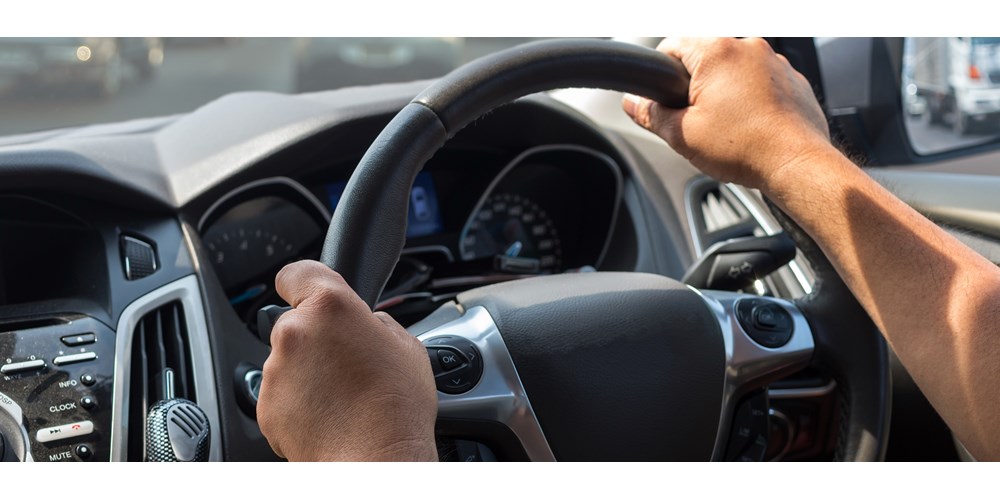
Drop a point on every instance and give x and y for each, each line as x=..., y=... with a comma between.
x=87, y=379
x=767, y=323
x=751, y=428
x=84, y=452
x=455, y=384
x=88, y=402
x=79, y=340
x=22, y=366
x=74, y=358
x=772, y=317
x=456, y=363
x=448, y=359
x=66, y=431
x=439, y=341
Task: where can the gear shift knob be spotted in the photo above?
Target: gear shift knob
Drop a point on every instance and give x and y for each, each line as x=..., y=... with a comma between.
x=177, y=430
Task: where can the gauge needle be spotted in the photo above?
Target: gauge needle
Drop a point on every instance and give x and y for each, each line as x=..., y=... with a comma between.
x=248, y=294
x=514, y=249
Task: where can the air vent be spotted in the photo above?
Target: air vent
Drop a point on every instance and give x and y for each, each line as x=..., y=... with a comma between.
x=718, y=214
x=160, y=341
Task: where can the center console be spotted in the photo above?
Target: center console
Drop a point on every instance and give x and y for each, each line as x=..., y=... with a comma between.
x=95, y=305
x=57, y=380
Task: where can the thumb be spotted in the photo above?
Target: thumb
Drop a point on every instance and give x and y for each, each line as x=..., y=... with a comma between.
x=656, y=118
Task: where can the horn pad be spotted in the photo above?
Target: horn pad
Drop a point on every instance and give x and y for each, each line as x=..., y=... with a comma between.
x=617, y=366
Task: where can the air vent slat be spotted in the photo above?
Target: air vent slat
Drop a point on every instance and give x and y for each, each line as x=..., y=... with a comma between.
x=160, y=341
x=178, y=350
x=742, y=228
x=722, y=216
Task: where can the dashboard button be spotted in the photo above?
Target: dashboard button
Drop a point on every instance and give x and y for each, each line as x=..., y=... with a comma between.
x=84, y=452
x=78, y=340
x=65, y=431
x=74, y=358
x=87, y=379
x=88, y=402
x=23, y=366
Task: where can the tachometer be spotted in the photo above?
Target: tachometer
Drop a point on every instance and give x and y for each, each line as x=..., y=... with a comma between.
x=251, y=232
x=514, y=231
x=241, y=253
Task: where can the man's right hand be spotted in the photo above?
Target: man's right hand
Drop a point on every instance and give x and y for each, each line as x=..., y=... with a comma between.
x=751, y=115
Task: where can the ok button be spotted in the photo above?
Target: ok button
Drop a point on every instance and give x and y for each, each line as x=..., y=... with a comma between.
x=448, y=359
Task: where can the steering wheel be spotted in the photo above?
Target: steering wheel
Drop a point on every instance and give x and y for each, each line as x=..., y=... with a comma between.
x=601, y=366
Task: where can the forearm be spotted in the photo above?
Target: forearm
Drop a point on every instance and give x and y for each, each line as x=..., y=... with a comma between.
x=937, y=301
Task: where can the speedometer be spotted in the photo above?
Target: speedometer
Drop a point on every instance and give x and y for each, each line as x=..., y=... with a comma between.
x=515, y=232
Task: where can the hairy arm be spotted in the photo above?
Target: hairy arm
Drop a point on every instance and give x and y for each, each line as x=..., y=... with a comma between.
x=936, y=301
x=754, y=120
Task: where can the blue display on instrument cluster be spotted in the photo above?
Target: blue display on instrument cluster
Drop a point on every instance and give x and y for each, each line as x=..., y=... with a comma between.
x=424, y=218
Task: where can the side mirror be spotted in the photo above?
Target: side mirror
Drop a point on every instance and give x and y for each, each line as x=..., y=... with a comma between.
x=899, y=101
x=951, y=92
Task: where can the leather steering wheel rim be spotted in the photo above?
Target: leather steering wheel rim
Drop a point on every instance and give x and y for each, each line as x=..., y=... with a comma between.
x=368, y=229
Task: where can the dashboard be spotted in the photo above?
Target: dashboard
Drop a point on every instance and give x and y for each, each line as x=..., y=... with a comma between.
x=138, y=254
x=551, y=209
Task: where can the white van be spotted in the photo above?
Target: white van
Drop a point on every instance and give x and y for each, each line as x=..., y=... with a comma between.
x=960, y=79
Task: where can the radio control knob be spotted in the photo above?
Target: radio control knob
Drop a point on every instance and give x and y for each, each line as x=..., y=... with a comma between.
x=13, y=437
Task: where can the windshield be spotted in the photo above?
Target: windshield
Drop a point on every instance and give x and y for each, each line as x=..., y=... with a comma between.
x=993, y=40
x=48, y=83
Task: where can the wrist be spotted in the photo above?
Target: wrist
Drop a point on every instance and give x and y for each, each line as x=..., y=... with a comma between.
x=805, y=160
x=403, y=450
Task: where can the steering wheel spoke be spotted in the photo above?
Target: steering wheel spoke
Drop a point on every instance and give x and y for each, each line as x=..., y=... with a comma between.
x=497, y=396
x=765, y=338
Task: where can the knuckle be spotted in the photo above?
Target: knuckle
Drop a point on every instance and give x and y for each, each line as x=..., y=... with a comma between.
x=334, y=276
x=330, y=296
x=288, y=333
x=759, y=43
x=722, y=46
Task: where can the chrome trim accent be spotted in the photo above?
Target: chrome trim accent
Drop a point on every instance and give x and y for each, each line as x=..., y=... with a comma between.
x=248, y=383
x=9, y=406
x=748, y=364
x=187, y=291
x=769, y=227
x=692, y=224
x=168, y=384
x=428, y=249
x=320, y=207
x=499, y=396
x=803, y=392
x=607, y=160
